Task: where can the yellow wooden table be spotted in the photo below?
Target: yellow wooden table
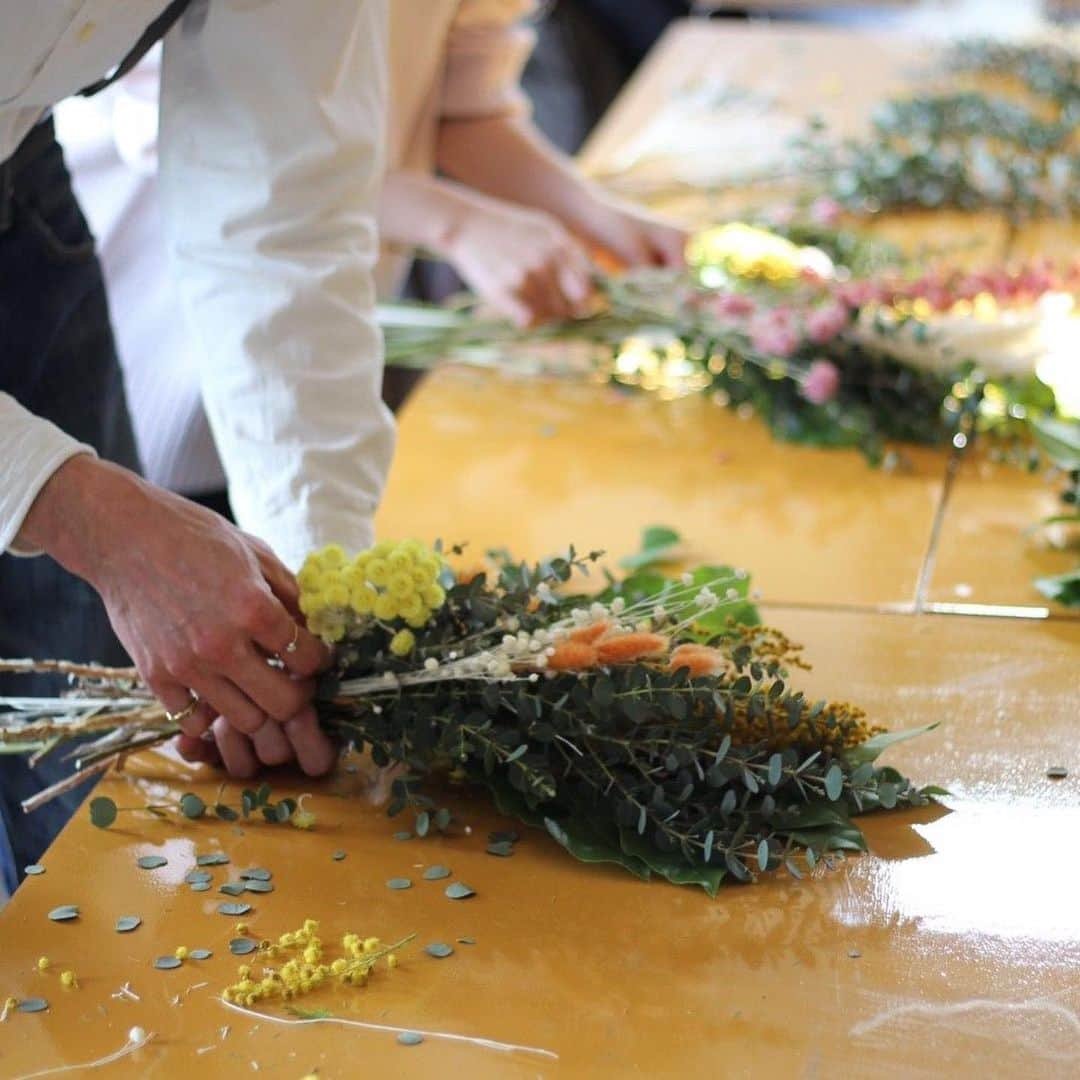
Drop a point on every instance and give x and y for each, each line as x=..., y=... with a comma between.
x=952, y=950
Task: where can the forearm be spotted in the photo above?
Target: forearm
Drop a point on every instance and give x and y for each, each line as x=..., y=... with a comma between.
x=508, y=158
x=417, y=210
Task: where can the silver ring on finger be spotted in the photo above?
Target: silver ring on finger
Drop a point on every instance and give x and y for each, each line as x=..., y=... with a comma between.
x=186, y=711
x=292, y=646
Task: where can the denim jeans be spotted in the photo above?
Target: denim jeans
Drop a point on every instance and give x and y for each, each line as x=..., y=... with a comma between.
x=58, y=359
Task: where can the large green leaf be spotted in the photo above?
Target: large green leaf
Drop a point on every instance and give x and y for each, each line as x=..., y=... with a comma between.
x=672, y=865
x=1059, y=440
x=658, y=544
x=872, y=749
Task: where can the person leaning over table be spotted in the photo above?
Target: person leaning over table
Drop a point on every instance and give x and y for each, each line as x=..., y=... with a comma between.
x=270, y=154
x=455, y=103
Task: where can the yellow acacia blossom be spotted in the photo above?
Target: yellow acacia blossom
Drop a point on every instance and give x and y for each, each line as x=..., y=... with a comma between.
x=746, y=252
x=389, y=582
x=308, y=966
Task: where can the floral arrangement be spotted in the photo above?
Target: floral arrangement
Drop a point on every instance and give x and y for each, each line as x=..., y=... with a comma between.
x=650, y=724
x=765, y=321
x=1000, y=135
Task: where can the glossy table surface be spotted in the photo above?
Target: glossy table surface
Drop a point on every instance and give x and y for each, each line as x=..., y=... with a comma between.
x=952, y=948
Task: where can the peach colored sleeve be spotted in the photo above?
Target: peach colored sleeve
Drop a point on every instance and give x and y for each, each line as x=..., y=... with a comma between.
x=489, y=43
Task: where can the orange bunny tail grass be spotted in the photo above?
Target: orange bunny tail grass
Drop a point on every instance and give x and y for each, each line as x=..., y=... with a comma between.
x=589, y=635
x=573, y=656
x=629, y=647
x=698, y=660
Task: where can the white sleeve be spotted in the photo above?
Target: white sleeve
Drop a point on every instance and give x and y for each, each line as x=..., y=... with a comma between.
x=271, y=152
x=31, y=450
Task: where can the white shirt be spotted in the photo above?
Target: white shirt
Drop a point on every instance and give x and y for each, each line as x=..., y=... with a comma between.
x=270, y=154
x=448, y=58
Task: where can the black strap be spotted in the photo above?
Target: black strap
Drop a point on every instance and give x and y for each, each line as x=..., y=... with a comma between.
x=153, y=34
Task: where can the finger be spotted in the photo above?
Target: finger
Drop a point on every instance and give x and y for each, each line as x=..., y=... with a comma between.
x=308, y=656
x=575, y=279
x=274, y=692
x=198, y=750
x=177, y=700
x=515, y=309
x=314, y=750
x=226, y=699
x=668, y=245
x=545, y=296
x=282, y=583
x=236, y=750
x=270, y=744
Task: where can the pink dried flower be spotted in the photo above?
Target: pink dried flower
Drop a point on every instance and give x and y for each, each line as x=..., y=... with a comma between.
x=825, y=211
x=733, y=306
x=825, y=323
x=821, y=383
x=774, y=338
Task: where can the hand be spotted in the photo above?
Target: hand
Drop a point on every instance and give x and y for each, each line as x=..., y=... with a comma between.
x=632, y=236
x=522, y=262
x=199, y=606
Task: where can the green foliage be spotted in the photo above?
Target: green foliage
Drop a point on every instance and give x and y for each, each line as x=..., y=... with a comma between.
x=630, y=764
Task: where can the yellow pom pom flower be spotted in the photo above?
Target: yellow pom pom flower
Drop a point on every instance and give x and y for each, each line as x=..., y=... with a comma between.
x=403, y=643
x=377, y=571
x=434, y=596
x=386, y=607
x=400, y=585
x=414, y=608
x=362, y=599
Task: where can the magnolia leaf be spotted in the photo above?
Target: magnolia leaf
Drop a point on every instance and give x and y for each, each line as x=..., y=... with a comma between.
x=1059, y=440
x=876, y=744
x=1064, y=588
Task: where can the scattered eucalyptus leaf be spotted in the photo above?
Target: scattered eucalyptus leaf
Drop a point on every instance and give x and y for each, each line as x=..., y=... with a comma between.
x=1055, y=772
x=410, y=1038
x=102, y=812
x=32, y=1005
x=234, y=888
x=502, y=848
x=226, y=813
x=436, y=873
x=126, y=923
x=256, y=873
x=423, y=823
x=200, y=886
x=167, y=963
x=233, y=909
x=193, y=877
x=241, y=946
x=504, y=836
x=258, y=886
x=443, y=817
x=191, y=806
x=459, y=891
x=404, y=835
x=338, y=856
x=151, y=862
x=64, y=912
x=200, y=954
x=466, y=941
x=399, y=883
x=34, y=869
x=854, y=954
x=439, y=950
x=213, y=858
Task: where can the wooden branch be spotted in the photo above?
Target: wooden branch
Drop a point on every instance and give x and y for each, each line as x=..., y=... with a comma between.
x=68, y=667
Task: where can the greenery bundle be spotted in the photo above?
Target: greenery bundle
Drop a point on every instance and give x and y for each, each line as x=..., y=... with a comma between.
x=651, y=724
